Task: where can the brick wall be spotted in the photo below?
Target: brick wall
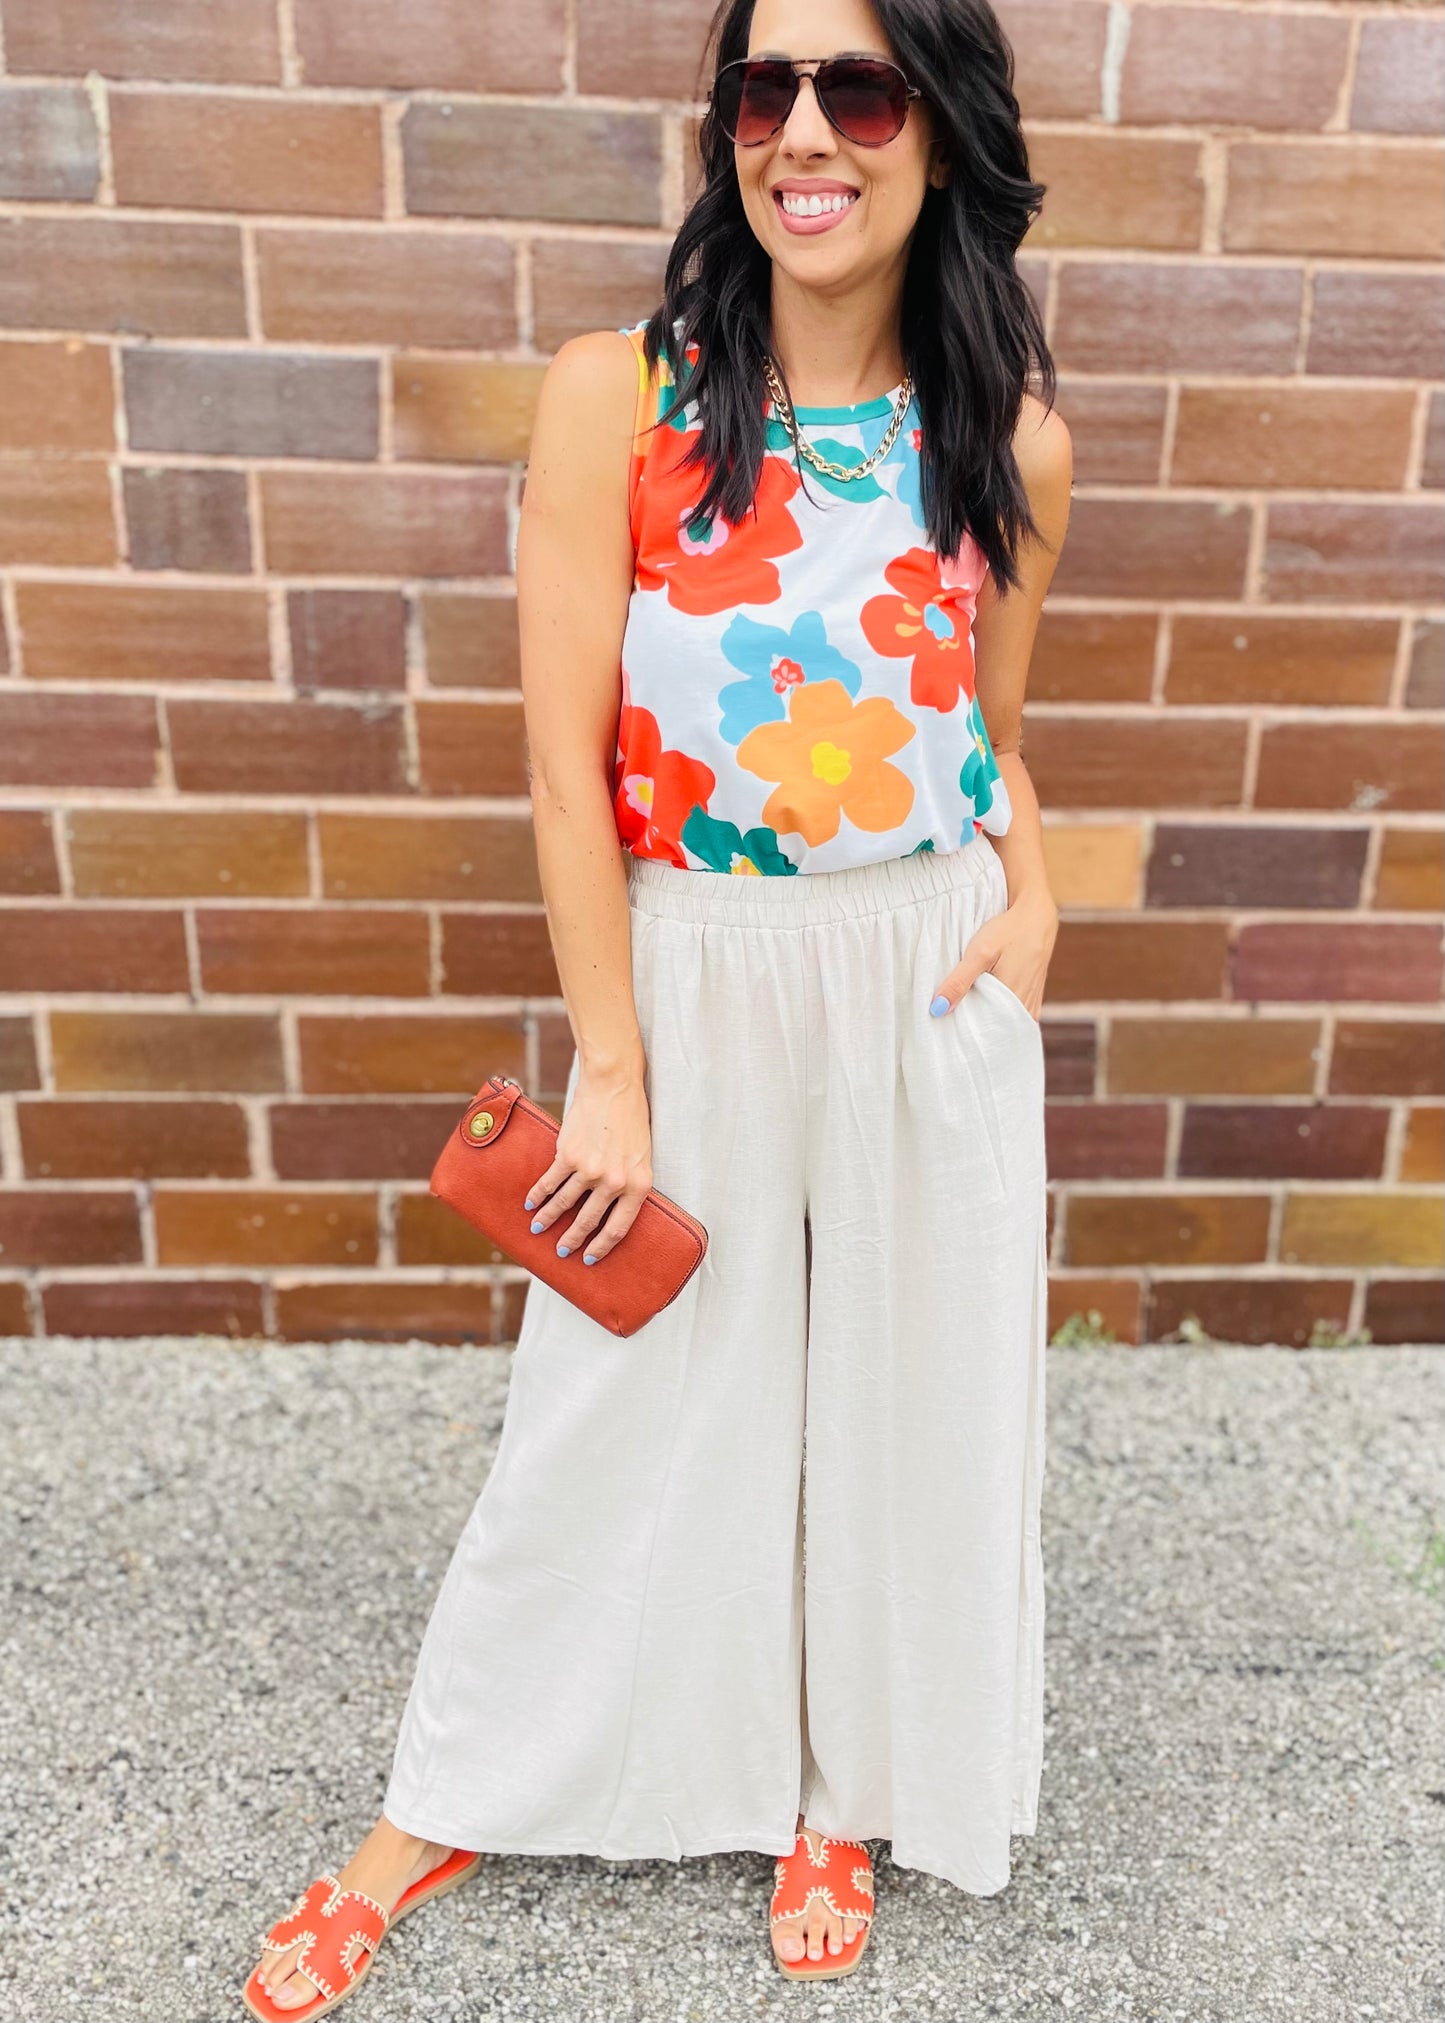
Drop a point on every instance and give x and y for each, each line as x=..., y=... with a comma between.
x=278, y=281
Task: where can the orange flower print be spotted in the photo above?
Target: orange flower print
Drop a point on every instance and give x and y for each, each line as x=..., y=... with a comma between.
x=927, y=622
x=654, y=791
x=706, y=566
x=830, y=759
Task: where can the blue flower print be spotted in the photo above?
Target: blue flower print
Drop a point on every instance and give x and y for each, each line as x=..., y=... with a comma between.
x=774, y=662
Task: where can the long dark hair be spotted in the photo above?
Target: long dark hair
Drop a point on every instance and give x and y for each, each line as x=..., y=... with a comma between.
x=971, y=333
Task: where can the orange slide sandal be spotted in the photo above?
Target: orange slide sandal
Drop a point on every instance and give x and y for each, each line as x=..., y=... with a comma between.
x=339, y=1927
x=841, y=1873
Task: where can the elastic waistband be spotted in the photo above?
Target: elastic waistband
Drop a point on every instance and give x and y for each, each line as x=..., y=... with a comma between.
x=848, y=894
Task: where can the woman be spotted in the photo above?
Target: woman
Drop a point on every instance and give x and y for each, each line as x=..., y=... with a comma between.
x=781, y=560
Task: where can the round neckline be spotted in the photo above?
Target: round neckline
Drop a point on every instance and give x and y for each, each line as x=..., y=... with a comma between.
x=858, y=410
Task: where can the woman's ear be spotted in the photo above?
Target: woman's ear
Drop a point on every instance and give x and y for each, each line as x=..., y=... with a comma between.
x=940, y=169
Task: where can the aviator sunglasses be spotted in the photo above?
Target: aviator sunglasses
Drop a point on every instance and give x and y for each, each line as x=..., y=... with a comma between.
x=864, y=97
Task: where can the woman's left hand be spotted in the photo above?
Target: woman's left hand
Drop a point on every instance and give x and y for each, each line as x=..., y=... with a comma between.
x=1016, y=945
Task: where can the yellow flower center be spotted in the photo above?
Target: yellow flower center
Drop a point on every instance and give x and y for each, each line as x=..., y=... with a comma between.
x=830, y=763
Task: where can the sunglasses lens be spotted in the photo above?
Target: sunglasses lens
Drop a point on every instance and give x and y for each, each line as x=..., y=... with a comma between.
x=867, y=102
x=754, y=99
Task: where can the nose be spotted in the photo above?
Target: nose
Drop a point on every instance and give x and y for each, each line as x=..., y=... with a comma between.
x=808, y=130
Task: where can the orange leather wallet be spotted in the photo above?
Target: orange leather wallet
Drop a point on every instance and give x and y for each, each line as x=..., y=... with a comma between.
x=500, y=1148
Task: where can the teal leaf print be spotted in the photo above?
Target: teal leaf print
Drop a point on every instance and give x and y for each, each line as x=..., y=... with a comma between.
x=722, y=847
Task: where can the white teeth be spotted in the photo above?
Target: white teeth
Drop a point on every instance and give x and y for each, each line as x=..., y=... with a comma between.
x=814, y=207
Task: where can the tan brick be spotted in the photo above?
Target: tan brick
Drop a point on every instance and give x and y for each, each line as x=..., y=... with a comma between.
x=27, y=852
x=1385, y=199
x=464, y=45
x=1117, y=429
x=1123, y=762
x=261, y=1226
x=472, y=410
x=1117, y=1301
x=1240, y=67
x=59, y=948
x=1329, y=961
x=386, y=523
x=1399, y=76
x=1154, y=547
x=1176, y=316
x=1092, y=656
x=54, y=512
x=1389, y=326
x=383, y=1055
x=70, y=1226
x=1294, y=436
x=187, y=519
x=1249, y=657
x=155, y=1305
x=1388, y=1057
x=1425, y=687
x=78, y=1139
x=123, y=274
x=576, y=164
x=252, y=403
x=49, y=149
x=1422, y=1158
x=146, y=853
x=458, y=857
x=1211, y=1056
x=56, y=396
x=314, y=952
x=1432, y=453
x=1284, y=1311
x=347, y=639
x=206, y=152
x=373, y=1310
x=1113, y=189
x=470, y=641
x=196, y=1051
x=1378, y=1227
x=1058, y=49
x=302, y=747
x=79, y=740
x=472, y=748
x=592, y=284
x=1349, y=765
x=1144, y=1229
x=1412, y=871
x=387, y=287
x=1120, y=960
x=142, y=632
x=224, y=41
x=428, y=1231
x=1093, y=865
x=1331, y=548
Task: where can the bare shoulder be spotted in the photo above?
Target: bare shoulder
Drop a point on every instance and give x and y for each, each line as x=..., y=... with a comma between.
x=588, y=396
x=1043, y=448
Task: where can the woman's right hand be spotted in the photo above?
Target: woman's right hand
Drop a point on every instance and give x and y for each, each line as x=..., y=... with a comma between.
x=604, y=1160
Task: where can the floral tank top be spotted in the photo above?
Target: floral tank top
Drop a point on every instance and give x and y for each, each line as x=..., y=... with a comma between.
x=798, y=690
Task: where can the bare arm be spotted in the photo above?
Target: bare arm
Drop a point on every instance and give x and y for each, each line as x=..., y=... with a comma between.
x=1017, y=944
x=574, y=576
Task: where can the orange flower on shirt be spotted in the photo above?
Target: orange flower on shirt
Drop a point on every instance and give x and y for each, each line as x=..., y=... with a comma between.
x=654, y=791
x=830, y=759
x=927, y=622
x=707, y=566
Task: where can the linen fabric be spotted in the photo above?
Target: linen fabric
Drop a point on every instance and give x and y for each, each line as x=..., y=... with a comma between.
x=780, y=1550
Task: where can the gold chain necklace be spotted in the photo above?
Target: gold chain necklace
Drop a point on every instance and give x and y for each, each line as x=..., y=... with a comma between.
x=842, y=471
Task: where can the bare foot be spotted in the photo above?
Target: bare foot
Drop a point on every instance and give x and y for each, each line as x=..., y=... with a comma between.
x=811, y=1930
x=386, y=1865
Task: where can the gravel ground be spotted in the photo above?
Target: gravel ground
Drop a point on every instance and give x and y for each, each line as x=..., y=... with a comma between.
x=222, y=1558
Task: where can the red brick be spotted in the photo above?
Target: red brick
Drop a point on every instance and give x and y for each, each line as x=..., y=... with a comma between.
x=1117, y=429
x=1278, y=1141
x=472, y=748
x=185, y=519
x=1360, y=766
x=470, y=641
x=1092, y=656
x=1406, y=1310
x=55, y=395
x=378, y=1310
x=347, y=639
x=422, y=857
x=498, y=955
x=1264, y=866
x=360, y=1141
x=1335, y=961
x=82, y=1139
x=429, y=1232
x=1389, y=326
x=314, y=952
x=200, y=151
x=198, y=1052
x=252, y=404
x=1117, y=189
x=1399, y=76
x=1425, y=688
x=386, y=523
x=1106, y=1141
x=384, y=1055
x=575, y=164
x=154, y=1305
x=1058, y=48
x=1282, y=1310
x=1432, y=456
x=54, y=948
x=1192, y=65
x=388, y=287
x=301, y=747
x=71, y=1226
x=14, y=1309
x=78, y=740
x=1252, y=657
x=56, y=513
x=1123, y=762
x=220, y=42
x=1129, y=960
x=123, y=274
x=1388, y=1057
x=1176, y=316
x=1336, y=196
x=642, y=48
x=49, y=150
x=19, y=1064
x=27, y=853
x=261, y=1226
x=1144, y=1229
x=592, y=283
x=152, y=853
x=1293, y=436
x=1339, y=549
x=142, y=632
x=1155, y=547
x=1117, y=1302
x=465, y=45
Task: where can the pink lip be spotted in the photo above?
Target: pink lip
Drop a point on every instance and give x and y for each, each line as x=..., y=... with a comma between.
x=826, y=220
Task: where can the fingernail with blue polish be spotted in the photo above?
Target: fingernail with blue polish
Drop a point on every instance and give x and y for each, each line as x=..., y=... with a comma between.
x=536, y=1229
x=939, y=1006
x=588, y=1260
x=529, y=1202
x=561, y=1250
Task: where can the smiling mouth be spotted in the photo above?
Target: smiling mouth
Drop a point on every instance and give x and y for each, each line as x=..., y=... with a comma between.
x=813, y=213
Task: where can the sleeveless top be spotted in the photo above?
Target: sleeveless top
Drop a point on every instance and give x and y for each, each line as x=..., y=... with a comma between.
x=797, y=690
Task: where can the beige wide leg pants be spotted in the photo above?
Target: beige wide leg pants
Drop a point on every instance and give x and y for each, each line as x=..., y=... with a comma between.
x=780, y=1549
